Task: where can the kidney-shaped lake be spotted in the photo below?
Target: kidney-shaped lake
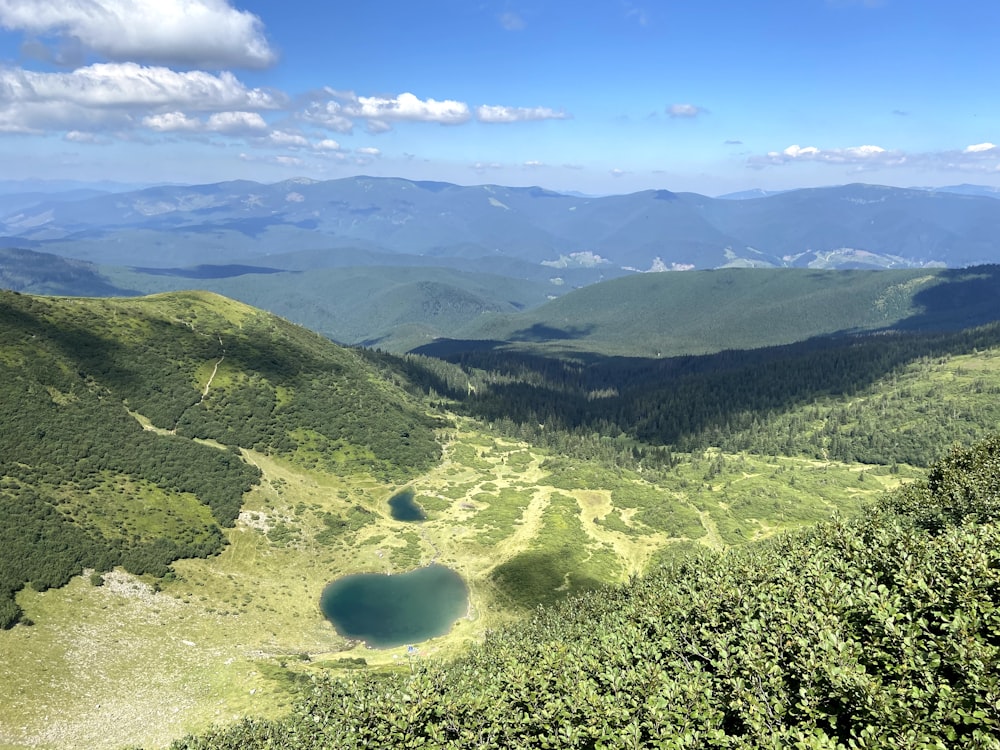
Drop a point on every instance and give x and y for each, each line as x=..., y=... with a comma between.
x=392, y=610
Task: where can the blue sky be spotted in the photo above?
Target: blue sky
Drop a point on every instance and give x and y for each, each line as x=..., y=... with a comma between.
x=607, y=96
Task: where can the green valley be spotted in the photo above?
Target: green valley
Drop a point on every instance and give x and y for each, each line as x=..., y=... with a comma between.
x=183, y=475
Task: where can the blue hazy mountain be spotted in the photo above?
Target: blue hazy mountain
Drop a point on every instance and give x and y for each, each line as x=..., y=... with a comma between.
x=848, y=226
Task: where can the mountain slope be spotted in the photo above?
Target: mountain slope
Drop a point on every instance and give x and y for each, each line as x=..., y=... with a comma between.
x=708, y=311
x=83, y=484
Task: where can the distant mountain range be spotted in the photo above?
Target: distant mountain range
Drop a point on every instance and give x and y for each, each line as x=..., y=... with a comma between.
x=849, y=226
x=396, y=263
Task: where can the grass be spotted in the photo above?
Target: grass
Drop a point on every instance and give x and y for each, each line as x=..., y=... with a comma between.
x=118, y=664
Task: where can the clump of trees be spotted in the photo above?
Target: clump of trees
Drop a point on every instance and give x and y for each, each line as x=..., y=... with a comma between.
x=881, y=631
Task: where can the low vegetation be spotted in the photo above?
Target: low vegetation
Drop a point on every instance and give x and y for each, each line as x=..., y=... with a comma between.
x=83, y=484
x=882, y=631
x=210, y=469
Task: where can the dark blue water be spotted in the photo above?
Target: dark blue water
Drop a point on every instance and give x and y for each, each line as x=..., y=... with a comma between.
x=394, y=610
x=403, y=508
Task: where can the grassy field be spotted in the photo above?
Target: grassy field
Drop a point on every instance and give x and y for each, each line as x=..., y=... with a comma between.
x=139, y=662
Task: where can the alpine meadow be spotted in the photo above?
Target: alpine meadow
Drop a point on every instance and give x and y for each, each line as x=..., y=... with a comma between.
x=613, y=375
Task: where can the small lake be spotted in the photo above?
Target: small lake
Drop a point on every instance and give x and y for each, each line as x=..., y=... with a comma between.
x=402, y=507
x=386, y=611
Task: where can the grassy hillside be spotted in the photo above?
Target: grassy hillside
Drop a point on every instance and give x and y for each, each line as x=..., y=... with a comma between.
x=877, y=632
x=106, y=405
x=669, y=314
x=528, y=515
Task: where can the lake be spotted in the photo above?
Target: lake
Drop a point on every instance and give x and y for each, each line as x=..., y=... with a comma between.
x=385, y=611
x=403, y=508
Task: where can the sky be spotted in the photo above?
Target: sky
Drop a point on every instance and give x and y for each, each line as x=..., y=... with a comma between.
x=596, y=96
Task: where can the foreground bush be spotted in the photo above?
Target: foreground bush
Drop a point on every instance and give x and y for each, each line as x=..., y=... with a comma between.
x=882, y=631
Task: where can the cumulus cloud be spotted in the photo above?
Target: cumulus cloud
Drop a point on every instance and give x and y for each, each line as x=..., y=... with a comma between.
x=117, y=95
x=230, y=123
x=198, y=33
x=406, y=106
x=236, y=122
x=978, y=148
x=330, y=115
x=499, y=114
x=369, y=151
x=327, y=144
x=130, y=84
x=170, y=122
x=341, y=111
x=284, y=139
x=685, y=110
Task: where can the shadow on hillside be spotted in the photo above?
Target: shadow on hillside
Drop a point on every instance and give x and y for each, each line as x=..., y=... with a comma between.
x=209, y=271
x=965, y=297
x=691, y=400
x=540, y=332
x=97, y=356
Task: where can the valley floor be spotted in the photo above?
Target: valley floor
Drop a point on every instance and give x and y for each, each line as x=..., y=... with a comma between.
x=140, y=662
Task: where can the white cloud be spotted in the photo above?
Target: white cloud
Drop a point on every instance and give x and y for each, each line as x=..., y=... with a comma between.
x=406, y=106
x=369, y=151
x=130, y=84
x=236, y=122
x=533, y=164
x=858, y=155
x=500, y=114
x=113, y=96
x=685, y=110
x=342, y=109
x=230, y=123
x=979, y=157
x=205, y=33
x=288, y=161
x=170, y=122
x=331, y=115
x=284, y=139
x=327, y=144
x=616, y=172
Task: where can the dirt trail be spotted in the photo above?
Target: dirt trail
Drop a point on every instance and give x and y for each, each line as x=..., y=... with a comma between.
x=215, y=371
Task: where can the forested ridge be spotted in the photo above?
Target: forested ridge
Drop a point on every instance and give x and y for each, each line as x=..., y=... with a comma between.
x=872, y=398
x=84, y=485
x=879, y=631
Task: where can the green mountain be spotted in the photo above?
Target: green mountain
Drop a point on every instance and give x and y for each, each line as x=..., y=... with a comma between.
x=392, y=307
x=669, y=314
x=123, y=421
